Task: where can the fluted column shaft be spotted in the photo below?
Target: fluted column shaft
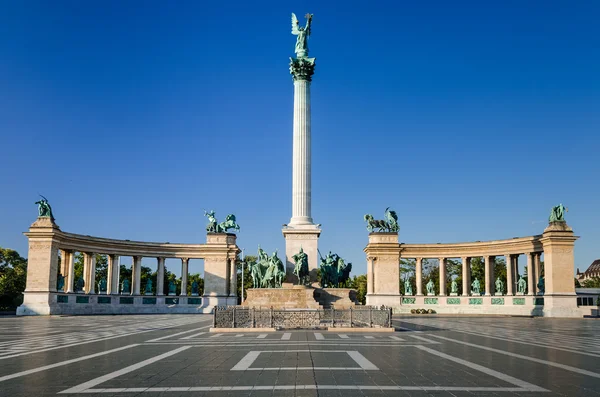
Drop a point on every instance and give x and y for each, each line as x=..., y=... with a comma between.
x=71, y=272
x=160, y=277
x=232, y=278
x=538, y=270
x=509, y=274
x=184, y=275
x=442, y=276
x=489, y=275
x=466, y=273
x=301, y=163
x=419, y=275
x=370, y=275
x=530, y=274
x=136, y=269
x=112, y=286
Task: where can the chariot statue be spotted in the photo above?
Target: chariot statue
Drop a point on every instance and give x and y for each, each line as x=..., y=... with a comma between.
x=301, y=267
x=214, y=227
x=44, y=209
x=389, y=224
x=557, y=214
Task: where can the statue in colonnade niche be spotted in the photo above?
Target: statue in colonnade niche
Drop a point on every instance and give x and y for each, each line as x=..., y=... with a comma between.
x=390, y=224
x=557, y=214
x=148, y=290
x=407, y=287
x=334, y=271
x=215, y=227
x=454, y=287
x=521, y=285
x=60, y=282
x=499, y=286
x=102, y=285
x=301, y=267
x=541, y=285
x=126, y=287
x=79, y=284
x=476, y=287
x=195, y=288
x=44, y=209
x=172, y=288
x=430, y=287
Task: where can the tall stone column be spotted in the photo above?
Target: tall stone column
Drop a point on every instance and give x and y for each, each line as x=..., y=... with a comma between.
x=530, y=274
x=160, y=277
x=89, y=272
x=442, y=276
x=370, y=275
x=301, y=232
x=538, y=269
x=232, y=278
x=184, y=276
x=516, y=273
x=63, y=262
x=509, y=274
x=112, y=286
x=136, y=275
x=466, y=279
x=70, y=281
x=419, y=275
x=489, y=275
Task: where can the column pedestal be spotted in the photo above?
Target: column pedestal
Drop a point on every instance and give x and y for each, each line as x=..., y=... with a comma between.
x=307, y=238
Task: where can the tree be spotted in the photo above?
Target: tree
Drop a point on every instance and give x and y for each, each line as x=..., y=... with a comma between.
x=197, y=277
x=13, y=277
x=577, y=284
x=593, y=282
x=359, y=283
x=249, y=260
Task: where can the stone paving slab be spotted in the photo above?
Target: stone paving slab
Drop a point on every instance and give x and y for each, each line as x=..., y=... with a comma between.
x=175, y=355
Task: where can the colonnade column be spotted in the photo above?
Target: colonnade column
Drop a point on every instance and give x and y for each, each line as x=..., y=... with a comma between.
x=516, y=272
x=489, y=274
x=184, y=275
x=63, y=262
x=538, y=270
x=136, y=269
x=442, y=276
x=370, y=275
x=509, y=274
x=232, y=278
x=89, y=272
x=466, y=275
x=419, y=275
x=112, y=286
x=71, y=272
x=160, y=277
x=530, y=271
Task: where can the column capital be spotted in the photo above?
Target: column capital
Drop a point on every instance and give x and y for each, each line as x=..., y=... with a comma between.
x=185, y=260
x=302, y=68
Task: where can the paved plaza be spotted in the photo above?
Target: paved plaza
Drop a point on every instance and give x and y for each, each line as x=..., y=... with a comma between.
x=176, y=355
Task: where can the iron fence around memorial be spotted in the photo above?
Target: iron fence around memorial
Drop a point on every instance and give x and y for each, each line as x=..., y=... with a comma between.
x=249, y=317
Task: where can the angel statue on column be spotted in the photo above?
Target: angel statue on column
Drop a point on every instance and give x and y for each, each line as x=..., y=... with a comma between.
x=302, y=33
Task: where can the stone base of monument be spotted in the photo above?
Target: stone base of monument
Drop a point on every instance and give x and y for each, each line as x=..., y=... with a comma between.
x=301, y=297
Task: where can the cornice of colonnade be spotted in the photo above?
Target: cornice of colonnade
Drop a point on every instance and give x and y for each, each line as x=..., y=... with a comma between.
x=218, y=244
x=513, y=246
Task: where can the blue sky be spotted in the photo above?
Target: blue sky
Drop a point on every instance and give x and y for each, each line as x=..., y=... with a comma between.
x=470, y=119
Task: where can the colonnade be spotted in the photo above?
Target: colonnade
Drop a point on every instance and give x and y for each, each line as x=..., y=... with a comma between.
x=113, y=283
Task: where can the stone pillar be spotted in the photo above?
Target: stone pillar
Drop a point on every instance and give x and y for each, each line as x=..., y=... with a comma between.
x=136, y=270
x=537, y=267
x=385, y=273
x=112, y=284
x=509, y=274
x=516, y=273
x=160, y=277
x=89, y=272
x=442, y=276
x=70, y=281
x=370, y=276
x=466, y=279
x=489, y=275
x=419, y=275
x=530, y=274
x=232, y=278
x=63, y=262
x=184, y=276
x=219, y=247
x=301, y=231
x=42, y=268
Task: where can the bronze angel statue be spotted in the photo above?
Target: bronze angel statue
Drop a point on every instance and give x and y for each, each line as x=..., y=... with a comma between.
x=302, y=33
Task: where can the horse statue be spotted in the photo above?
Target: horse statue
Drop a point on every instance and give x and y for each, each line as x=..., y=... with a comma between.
x=273, y=277
x=334, y=271
x=301, y=267
x=390, y=224
x=228, y=224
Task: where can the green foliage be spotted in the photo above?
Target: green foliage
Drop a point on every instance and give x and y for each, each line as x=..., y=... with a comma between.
x=248, y=261
x=13, y=276
x=577, y=284
x=407, y=274
x=593, y=282
x=359, y=283
x=197, y=278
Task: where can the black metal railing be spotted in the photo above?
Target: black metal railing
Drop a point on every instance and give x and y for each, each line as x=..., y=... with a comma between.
x=247, y=317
